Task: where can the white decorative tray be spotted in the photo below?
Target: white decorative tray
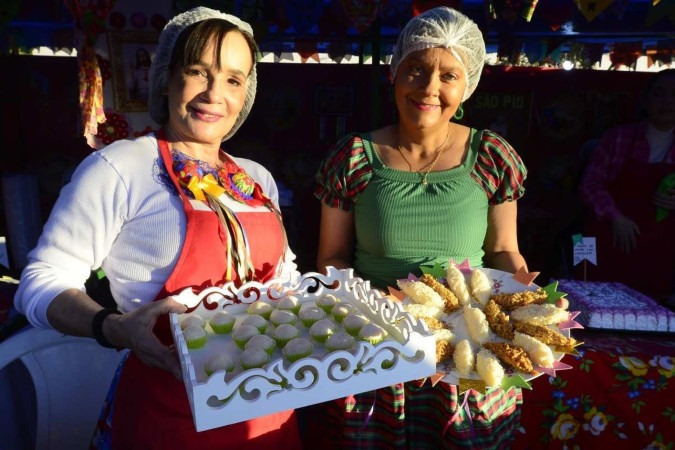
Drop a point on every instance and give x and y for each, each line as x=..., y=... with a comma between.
x=407, y=353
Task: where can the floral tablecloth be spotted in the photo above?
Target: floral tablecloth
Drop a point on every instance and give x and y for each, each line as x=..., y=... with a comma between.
x=619, y=394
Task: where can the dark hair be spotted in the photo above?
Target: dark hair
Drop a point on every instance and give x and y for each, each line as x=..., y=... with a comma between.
x=648, y=88
x=190, y=45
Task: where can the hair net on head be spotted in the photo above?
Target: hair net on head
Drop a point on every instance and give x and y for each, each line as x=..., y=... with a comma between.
x=159, y=71
x=446, y=28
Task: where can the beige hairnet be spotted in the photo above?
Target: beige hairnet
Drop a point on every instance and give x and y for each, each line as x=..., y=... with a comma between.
x=446, y=28
x=159, y=71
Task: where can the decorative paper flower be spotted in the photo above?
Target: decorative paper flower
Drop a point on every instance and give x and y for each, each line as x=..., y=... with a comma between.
x=635, y=365
x=597, y=421
x=565, y=428
x=664, y=365
x=114, y=128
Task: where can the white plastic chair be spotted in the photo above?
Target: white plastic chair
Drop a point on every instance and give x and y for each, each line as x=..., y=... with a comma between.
x=70, y=375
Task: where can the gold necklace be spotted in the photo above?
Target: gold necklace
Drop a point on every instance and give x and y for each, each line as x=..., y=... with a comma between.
x=431, y=165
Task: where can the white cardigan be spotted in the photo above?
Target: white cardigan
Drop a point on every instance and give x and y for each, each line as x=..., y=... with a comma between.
x=119, y=212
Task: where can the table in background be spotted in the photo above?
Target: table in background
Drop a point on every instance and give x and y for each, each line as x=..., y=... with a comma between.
x=619, y=394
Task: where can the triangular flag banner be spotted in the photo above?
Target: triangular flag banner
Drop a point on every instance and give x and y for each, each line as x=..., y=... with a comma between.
x=534, y=50
x=659, y=10
x=362, y=14
x=419, y=6
x=527, y=8
x=625, y=53
x=337, y=50
x=665, y=51
x=555, y=13
x=307, y=50
x=591, y=8
x=593, y=53
x=553, y=47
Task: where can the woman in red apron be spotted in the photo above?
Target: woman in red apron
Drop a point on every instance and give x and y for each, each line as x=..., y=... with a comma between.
x=155, y=193
x=630, y=185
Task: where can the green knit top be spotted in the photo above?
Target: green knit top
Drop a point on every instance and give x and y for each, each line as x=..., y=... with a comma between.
x=402, y=224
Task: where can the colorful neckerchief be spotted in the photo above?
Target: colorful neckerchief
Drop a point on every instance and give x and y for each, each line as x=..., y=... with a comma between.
x=207, y=184
x=233, y=179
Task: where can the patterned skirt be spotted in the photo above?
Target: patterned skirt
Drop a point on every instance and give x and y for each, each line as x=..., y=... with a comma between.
x=415, y=416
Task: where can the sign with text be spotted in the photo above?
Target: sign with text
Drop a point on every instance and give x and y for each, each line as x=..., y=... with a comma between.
x=506, y=113
x=584, y=249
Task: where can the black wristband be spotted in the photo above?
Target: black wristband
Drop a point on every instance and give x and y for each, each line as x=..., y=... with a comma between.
x=97, y=326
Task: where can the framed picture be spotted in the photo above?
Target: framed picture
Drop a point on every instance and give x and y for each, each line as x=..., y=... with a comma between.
x=131, y=53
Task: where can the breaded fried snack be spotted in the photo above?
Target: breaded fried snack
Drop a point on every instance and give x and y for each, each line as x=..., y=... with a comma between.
x=451, y=301
x=544, y=334
x=444, y=351
x=498, y=321
x=509, y=302
x=512, y=355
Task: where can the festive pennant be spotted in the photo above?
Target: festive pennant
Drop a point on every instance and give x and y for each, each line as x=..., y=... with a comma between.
x=436, y=271
x=307, y=50
x=435, y=378
x=361, y=14
x=659, y=10
x=591, y=8
x=466, y=383
x=592, y=53
x=556, y=13
x=550, y=371
x=524, y=277
x=552, y=294
x=527, y=9
x=553, y=47
x=625, y=54
x=534, y=50
x=337, y=50
x=396, y=293
x=419, y=6
x=509, y=47
x=464, y=266
x=515, y=381
x=8, y=10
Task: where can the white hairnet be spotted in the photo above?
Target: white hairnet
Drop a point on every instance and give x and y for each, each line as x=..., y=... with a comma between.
x=159, y=71
x=446, y=28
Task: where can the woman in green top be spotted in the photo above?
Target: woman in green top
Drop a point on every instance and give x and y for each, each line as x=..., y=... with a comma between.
x=419, y=192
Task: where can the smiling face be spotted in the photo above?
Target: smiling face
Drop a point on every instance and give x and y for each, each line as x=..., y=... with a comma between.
x=428, y=88
x=660, y=102
x=205, y=99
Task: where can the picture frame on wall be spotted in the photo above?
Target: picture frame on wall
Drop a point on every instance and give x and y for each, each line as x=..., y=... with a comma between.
x=131, y=53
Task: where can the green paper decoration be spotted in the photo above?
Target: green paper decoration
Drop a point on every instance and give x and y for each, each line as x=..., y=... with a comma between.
x=515, y=381
x=436, y=271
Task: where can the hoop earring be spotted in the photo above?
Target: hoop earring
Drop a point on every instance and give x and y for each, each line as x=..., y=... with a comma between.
x=459, y=113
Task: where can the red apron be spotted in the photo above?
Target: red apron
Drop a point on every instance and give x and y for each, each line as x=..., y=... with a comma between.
x=650, y=268
x=151, y=408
